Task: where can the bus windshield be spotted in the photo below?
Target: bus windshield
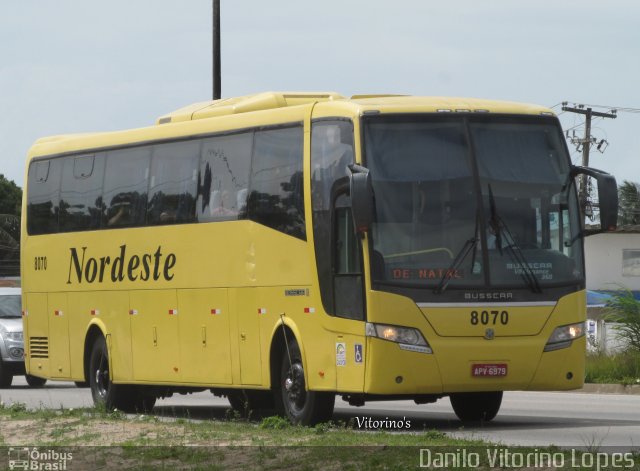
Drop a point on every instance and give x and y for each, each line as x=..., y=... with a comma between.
x=472, y=202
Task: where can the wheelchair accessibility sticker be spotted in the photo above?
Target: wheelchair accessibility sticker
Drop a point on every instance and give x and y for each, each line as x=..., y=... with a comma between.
x=358, y=352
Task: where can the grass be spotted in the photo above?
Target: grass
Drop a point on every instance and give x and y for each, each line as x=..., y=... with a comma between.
x=620, y=368
x=61, y=427
x=151, y=442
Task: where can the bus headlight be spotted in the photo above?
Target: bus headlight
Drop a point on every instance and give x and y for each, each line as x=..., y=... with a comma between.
x=564, y=335
x=407, y=338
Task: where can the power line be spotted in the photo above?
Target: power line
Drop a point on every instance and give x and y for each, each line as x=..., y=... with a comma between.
x=625, y=109
x=619, y=109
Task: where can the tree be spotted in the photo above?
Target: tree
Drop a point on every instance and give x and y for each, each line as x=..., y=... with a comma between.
x=629, y=203
x=10, y=197
x=10, y=207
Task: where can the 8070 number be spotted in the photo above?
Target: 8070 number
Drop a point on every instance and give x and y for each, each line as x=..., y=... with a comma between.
x=489, y=317
x=40, y=263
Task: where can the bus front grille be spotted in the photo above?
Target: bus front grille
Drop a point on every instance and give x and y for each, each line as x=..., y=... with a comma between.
x=39, y=347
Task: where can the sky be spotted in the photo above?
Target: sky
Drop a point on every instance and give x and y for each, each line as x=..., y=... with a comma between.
x=80, y=66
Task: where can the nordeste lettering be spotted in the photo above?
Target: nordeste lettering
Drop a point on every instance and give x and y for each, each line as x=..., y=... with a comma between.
x=136, y=267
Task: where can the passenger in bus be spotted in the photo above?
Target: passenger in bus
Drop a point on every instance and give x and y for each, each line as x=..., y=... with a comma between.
x=337, y=151
x=333, y=156
x=168, y=216
x=122, y=215
x=224, y=206
x=241, y=200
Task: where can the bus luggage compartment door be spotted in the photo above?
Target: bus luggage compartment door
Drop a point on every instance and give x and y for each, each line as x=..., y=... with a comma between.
x=59, y=336
x=155, y=335
x=205, y=352
x=245, y=304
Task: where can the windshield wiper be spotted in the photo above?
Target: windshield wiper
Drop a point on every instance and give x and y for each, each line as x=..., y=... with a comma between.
x=469, y=245
x=462, y=254
x=499, y=227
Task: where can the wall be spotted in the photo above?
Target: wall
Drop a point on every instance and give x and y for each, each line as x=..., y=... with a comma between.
x=613, y=260
x=603, y=337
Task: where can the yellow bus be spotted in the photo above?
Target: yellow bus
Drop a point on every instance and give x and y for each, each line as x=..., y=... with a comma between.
x=281, y=249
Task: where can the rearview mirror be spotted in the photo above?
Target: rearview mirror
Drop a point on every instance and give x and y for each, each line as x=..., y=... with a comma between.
x=607, y=196
x=361, y=192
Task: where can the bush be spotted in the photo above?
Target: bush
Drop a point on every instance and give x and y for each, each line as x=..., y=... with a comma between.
x=275, y=422
x=621, y=368
x=624, y=309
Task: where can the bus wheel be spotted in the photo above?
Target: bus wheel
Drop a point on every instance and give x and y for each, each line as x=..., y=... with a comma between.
x=104, y=392
x=475, y=406
x=6, y=377
x=35, y=381
x=293, y=400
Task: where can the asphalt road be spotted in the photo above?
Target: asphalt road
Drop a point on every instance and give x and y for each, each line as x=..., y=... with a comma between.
x=526, y=418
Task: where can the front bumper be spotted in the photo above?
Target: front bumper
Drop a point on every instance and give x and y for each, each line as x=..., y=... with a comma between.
x=448, y=370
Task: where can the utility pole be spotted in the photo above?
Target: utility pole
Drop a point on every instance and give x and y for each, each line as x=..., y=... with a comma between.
x=586, y=142
x=216, y=51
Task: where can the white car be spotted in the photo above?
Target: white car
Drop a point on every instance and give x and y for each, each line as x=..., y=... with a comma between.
x=11, y=340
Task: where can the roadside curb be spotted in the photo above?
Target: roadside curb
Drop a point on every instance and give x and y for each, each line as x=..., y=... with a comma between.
x=593, y=388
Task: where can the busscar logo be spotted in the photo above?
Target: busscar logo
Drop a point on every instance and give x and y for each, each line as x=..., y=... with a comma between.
x=495, y=296
x=85, y=268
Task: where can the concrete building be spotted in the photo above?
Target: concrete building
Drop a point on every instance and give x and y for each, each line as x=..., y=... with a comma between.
x=612, y=260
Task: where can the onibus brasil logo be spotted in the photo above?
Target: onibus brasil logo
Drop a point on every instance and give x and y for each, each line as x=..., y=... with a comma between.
x=27, y=458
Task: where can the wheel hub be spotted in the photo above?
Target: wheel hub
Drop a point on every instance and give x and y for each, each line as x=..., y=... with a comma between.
x=102, y=380
x=294, y=383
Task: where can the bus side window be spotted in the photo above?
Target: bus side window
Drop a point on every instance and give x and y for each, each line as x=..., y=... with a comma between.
x=173, y=181
x=223, y=177
x=43, y=196
x=81, y=206
x=347, y=252
x=276, y=197
x=126, y=178
x=337, y=248
x=347, y=280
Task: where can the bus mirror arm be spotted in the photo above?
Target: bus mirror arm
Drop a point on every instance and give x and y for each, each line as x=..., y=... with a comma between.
x=607, y=196
x=361, y=192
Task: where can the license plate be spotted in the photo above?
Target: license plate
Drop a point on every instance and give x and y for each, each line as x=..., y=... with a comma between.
x=489, y=369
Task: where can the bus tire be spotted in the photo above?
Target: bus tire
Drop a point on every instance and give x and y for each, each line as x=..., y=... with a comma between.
x=6, y=376
x=35, y=381
x=106, y=394
x=476, y=406
x=293, y=400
